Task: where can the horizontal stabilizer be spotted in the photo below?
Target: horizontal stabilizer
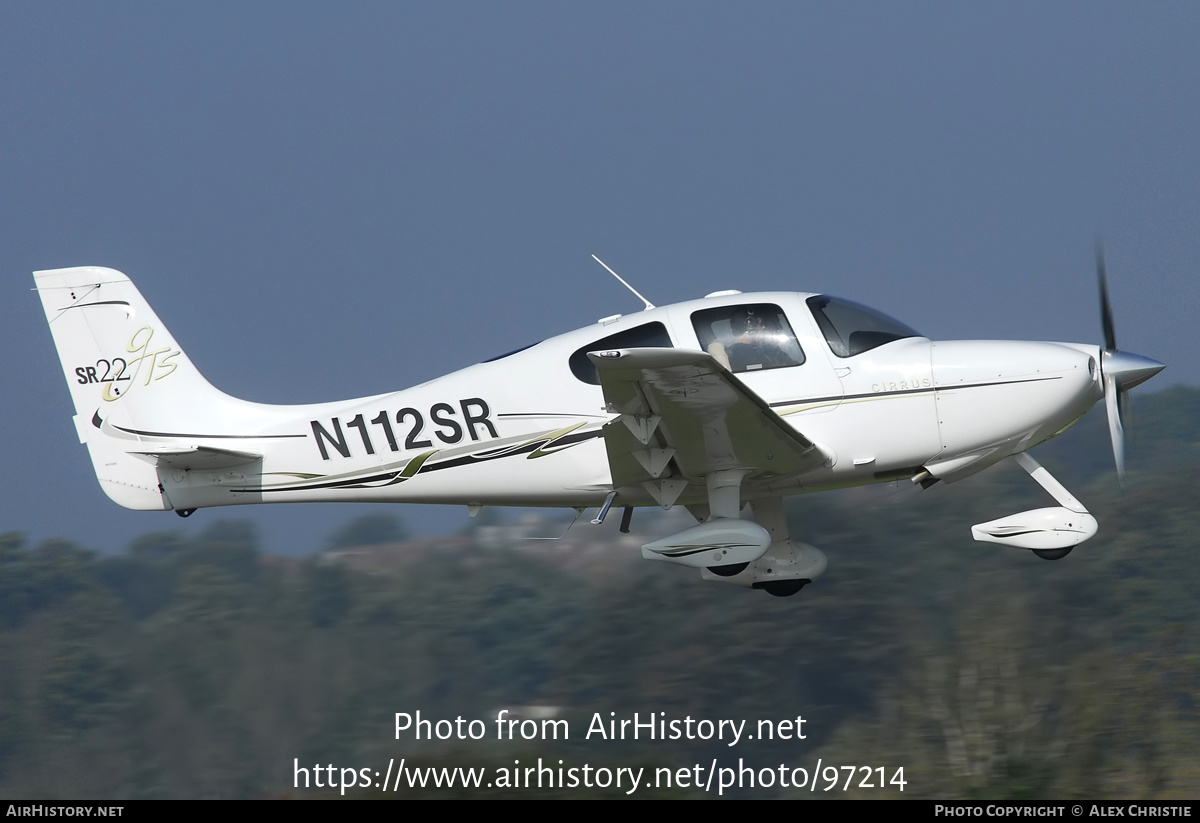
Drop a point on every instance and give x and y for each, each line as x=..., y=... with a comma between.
x=203, y=458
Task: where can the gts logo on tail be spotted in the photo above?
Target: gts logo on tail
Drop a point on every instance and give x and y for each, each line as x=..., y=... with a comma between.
x=118, y=369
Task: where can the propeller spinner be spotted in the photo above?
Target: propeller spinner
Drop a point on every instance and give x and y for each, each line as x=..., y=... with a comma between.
x=1121, y=371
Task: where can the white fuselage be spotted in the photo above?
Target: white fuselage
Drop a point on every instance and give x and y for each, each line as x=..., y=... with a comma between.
x=524, y=429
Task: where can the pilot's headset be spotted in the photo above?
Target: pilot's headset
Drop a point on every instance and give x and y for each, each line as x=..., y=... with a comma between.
x=747, y=321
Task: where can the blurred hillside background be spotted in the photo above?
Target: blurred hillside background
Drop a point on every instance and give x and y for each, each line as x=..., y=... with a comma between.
x=197, y=666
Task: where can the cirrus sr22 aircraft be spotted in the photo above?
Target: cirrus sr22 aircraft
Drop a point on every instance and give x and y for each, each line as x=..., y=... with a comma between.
x=724, y=405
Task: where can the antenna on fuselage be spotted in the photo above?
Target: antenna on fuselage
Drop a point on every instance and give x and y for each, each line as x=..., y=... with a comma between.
x=649, y=305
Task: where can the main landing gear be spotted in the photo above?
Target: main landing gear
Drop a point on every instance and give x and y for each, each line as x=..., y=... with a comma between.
x=755, y=552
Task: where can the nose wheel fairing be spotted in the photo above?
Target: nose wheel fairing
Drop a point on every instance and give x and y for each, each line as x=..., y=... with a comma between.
x=1050, y=532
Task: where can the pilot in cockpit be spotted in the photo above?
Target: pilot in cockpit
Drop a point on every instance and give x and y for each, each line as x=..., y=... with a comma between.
x=757, y=342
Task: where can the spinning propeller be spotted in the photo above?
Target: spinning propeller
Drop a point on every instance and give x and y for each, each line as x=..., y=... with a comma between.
x=1121, y=371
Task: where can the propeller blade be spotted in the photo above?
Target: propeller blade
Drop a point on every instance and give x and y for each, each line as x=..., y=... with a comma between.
x=1121, y=370
x=1116, y=427
x=1106, y=318
x=1125, y=408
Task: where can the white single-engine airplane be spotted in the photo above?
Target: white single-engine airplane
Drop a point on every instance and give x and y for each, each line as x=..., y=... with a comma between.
x=712, y=404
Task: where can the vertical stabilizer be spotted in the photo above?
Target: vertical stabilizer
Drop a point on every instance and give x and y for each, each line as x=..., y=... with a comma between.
x=126, y=374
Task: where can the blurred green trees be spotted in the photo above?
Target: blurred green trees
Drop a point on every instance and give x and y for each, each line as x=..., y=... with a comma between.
x=191, y=667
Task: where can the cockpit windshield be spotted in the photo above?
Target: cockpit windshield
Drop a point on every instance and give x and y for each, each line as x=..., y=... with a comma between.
x=851, y=328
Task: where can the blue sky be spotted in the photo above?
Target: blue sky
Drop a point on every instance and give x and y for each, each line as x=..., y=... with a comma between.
x=326, y=202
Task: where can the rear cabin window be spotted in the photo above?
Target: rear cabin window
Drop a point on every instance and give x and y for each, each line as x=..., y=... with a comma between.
x=749, y=337
x=649, y=336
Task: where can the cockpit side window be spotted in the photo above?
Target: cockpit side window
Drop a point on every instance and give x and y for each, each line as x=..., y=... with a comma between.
x=648, y=336
x=851, y=328
x=748, y=337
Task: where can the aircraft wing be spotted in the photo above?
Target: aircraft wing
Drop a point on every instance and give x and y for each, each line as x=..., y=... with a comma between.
x=684, y=415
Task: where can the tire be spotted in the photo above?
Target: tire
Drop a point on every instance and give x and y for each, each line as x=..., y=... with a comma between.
x=782, y=588
x=728, y=571
x=1052, y=554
